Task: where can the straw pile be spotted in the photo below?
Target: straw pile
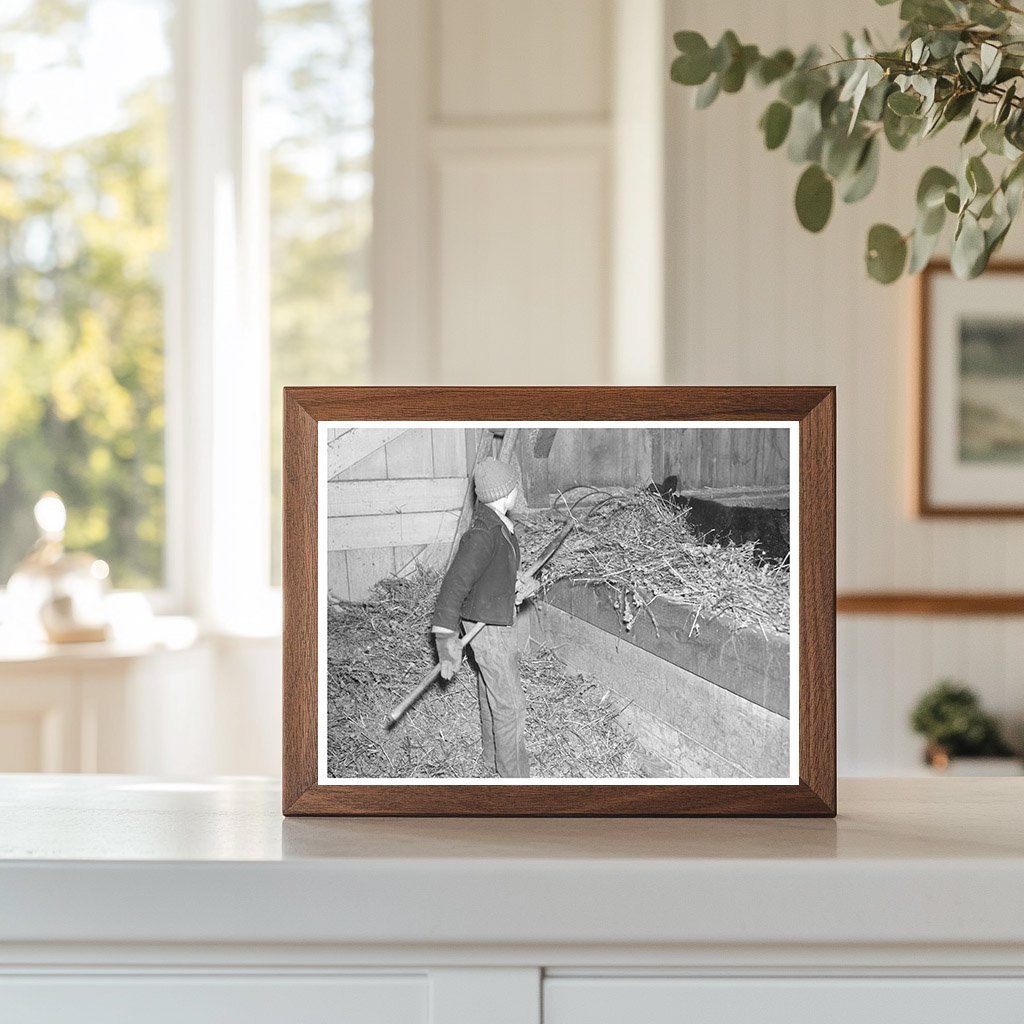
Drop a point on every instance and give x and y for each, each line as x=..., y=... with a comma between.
x=378, y=651
x=644, y=549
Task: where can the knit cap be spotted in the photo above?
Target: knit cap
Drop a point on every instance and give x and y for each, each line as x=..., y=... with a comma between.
x=493, y=480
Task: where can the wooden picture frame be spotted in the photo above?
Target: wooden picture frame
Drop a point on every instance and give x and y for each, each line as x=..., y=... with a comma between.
x=943, y=489
x=808, y=413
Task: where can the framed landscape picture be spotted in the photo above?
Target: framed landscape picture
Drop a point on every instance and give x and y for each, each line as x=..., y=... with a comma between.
x=559, y=601
x=970, y=450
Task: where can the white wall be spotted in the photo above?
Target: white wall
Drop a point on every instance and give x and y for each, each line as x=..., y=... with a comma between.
x=505, y=137
x=754, y=299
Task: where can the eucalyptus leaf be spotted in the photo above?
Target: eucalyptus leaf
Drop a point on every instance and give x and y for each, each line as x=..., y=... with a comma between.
x=925, y=87
x=969, y=70
x=943, y=44
x=931, y=190
x=904, y=103
x=840, y=152
x=771, y=69
x=966, y=187
x=854, y=91
x=930, y=12
x=724, y=51
x=828, y=105
x=978, y=176
x=685, y=72
x=987, y=15
x=865, y=174
x=794, y=88
x=932, y=220
x=932, y=122
x=873, y=106
x=775, y=124
x=688, y=42
x=993, y=138
x=692, y=66
x=814, y=195
x=1014, y=192
x=968, y=247
x=1005, y=104
x=805, y=133
x=735, y=74
x=900, y=130
x=995, y=233
x=973, y=130
x=707, y=93
x=958, y=105
x=1013, y=187
x=886, y=253
x=922, y=247
x=991, y=60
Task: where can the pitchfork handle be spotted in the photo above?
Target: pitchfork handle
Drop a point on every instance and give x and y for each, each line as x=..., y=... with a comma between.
x=428, y=680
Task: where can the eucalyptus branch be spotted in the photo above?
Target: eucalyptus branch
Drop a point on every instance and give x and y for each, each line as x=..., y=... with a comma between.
x=954, y=60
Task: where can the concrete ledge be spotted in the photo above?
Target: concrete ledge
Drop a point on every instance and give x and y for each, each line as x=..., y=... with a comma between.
x=751, y=663
x=704, y=729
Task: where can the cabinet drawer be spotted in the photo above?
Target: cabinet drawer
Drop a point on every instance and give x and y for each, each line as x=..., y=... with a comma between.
x=674, y=1000
x=223, y=999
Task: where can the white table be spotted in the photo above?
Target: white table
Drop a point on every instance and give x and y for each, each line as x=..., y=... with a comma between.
x=198, y=902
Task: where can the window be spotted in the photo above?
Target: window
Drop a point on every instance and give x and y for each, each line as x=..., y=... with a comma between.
x=317, y=116
x=185, y=221
x=83, y=237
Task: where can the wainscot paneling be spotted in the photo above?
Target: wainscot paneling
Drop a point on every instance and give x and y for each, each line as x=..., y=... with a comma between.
x=517, y=192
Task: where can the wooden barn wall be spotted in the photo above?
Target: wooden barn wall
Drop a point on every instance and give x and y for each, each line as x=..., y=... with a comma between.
x=598, y=457
x=755, y=300
x=394, y=497
x=720, y=460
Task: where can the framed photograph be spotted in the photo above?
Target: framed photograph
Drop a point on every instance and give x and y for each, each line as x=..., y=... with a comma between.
x=970, y=450
x=559, y=601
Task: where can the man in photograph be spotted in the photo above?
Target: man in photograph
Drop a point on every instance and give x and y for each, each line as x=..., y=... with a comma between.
x=482, y=585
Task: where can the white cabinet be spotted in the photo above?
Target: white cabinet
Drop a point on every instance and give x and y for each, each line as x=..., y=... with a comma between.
x=823, y=1000
x=205, y=999
x=126, y=898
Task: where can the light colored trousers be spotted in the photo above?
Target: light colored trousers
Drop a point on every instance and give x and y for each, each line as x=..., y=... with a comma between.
x=502, y=701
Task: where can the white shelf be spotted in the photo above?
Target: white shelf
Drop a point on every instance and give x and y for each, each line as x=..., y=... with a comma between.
x=122, y=859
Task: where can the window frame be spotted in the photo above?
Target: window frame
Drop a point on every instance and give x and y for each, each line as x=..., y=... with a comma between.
x=216, y=328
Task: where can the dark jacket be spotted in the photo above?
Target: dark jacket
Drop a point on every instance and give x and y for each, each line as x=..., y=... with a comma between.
x=480, y=584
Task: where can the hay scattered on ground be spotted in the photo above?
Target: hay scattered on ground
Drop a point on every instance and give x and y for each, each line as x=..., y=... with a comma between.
x=645, y=549
x=380, y=650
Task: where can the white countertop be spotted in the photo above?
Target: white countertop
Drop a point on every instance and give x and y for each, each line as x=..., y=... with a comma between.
x=124, y=859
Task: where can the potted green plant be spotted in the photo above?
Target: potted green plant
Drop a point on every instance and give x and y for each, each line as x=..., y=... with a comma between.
x=955, y=62
x=950, y=718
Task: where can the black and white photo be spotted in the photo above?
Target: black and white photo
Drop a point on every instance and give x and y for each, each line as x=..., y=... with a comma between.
x=528, y=602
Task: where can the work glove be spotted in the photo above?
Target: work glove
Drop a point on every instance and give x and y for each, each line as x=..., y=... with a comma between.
x=449, y=653
x=526, y=587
